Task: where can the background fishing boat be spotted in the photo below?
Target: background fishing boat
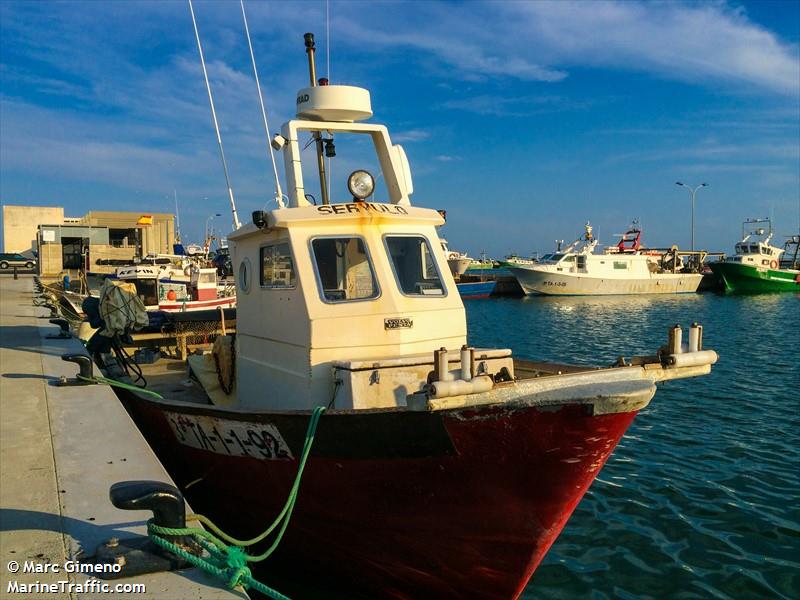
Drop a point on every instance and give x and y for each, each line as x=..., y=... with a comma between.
x=626, y=268
x=458, y=262
x=476, y=289
x=757, y=265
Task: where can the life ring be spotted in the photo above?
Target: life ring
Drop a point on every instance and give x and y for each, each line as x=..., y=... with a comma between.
x=773, y=264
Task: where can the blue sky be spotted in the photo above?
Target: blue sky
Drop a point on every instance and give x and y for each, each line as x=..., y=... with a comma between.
x=523, y=120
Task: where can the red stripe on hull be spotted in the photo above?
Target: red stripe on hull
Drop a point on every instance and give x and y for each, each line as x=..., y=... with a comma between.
x=197, y=305
x=473, y=523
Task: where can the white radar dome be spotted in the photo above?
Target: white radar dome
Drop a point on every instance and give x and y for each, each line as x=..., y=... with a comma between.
x=343, y=103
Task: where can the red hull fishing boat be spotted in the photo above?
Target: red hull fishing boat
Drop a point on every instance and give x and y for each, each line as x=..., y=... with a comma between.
x=433, y=473
x=463, y=503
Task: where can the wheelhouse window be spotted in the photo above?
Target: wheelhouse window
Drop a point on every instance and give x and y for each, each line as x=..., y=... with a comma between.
x=414, y=266
x=277, y=266
x=344, y=269
x=207, y=278
x=147, y=290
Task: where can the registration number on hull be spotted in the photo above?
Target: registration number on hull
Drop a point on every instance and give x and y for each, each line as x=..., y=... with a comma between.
x=231, y=438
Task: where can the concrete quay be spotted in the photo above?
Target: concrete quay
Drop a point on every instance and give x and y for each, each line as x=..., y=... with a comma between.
x=61, y=448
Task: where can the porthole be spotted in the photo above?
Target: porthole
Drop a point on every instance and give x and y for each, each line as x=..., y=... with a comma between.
x=245, y=275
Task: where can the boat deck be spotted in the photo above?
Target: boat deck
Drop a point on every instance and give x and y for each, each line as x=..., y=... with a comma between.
x=170, y=377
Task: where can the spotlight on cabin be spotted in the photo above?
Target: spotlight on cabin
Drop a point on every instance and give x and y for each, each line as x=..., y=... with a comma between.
x=361, y=184
x=260, y=218
x=278, y=141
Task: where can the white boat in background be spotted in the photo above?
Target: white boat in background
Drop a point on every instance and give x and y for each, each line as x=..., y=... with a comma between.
x=177, y=291
x=626, y=268
x=457, y=261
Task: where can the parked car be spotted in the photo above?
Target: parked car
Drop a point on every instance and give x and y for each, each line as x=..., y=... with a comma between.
x=10, y=259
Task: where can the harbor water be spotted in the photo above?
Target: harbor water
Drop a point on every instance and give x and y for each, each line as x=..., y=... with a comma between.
x=701, y=499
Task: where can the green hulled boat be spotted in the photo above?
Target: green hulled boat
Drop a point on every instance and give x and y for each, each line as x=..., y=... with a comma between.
x=759, y=266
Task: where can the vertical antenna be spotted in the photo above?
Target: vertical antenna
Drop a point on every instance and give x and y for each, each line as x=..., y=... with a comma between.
x=328, y=65
x=278, y=194
x=328, y=37
x=312, y=72
x=236, y=223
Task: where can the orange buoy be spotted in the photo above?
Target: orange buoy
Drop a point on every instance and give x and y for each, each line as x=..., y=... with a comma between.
x=172, y=296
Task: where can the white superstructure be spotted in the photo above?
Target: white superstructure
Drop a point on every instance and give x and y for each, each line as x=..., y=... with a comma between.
x=343, y=302
x=756, y=249
x=623, y=269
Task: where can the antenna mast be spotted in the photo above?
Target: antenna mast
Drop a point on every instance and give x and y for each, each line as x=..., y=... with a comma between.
x=236, y=223
x=312, y=71
x=278, y=193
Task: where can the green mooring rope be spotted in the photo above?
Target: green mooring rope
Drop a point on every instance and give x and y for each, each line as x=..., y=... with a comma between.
x=120, y=384
x=229, y=560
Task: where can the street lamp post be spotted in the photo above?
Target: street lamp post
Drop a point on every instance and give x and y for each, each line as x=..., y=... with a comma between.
x=692, y=193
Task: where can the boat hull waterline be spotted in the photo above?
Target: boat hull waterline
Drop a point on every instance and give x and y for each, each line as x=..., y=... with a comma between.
x=536, y=282
x=452, y=503
x=737, y=277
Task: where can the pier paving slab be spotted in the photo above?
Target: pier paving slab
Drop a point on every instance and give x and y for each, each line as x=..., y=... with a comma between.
x=61, y=448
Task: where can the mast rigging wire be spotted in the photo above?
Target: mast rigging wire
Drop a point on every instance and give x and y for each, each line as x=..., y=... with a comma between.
x=278, y=193
x=236, y=223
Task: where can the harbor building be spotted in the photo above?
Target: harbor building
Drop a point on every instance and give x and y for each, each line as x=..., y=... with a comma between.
x=97, y=241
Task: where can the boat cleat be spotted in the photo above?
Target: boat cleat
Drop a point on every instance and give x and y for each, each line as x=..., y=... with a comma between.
x=139, y=555
x=85, y=376
x=63, y=333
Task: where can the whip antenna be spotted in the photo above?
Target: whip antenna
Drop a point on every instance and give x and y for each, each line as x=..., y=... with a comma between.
x=278, y=194
x=328, y=59
x=236, y=223
x=328, y=37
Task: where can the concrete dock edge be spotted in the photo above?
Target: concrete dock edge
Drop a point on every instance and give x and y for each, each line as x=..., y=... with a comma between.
x=61, y=448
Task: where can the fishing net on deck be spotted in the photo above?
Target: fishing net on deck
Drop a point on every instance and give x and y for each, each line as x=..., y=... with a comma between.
x=198, y=333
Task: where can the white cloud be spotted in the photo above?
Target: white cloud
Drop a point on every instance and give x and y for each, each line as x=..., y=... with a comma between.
x=704, y=43
x=510, y=105
x=411, y=135
x=694, y=42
